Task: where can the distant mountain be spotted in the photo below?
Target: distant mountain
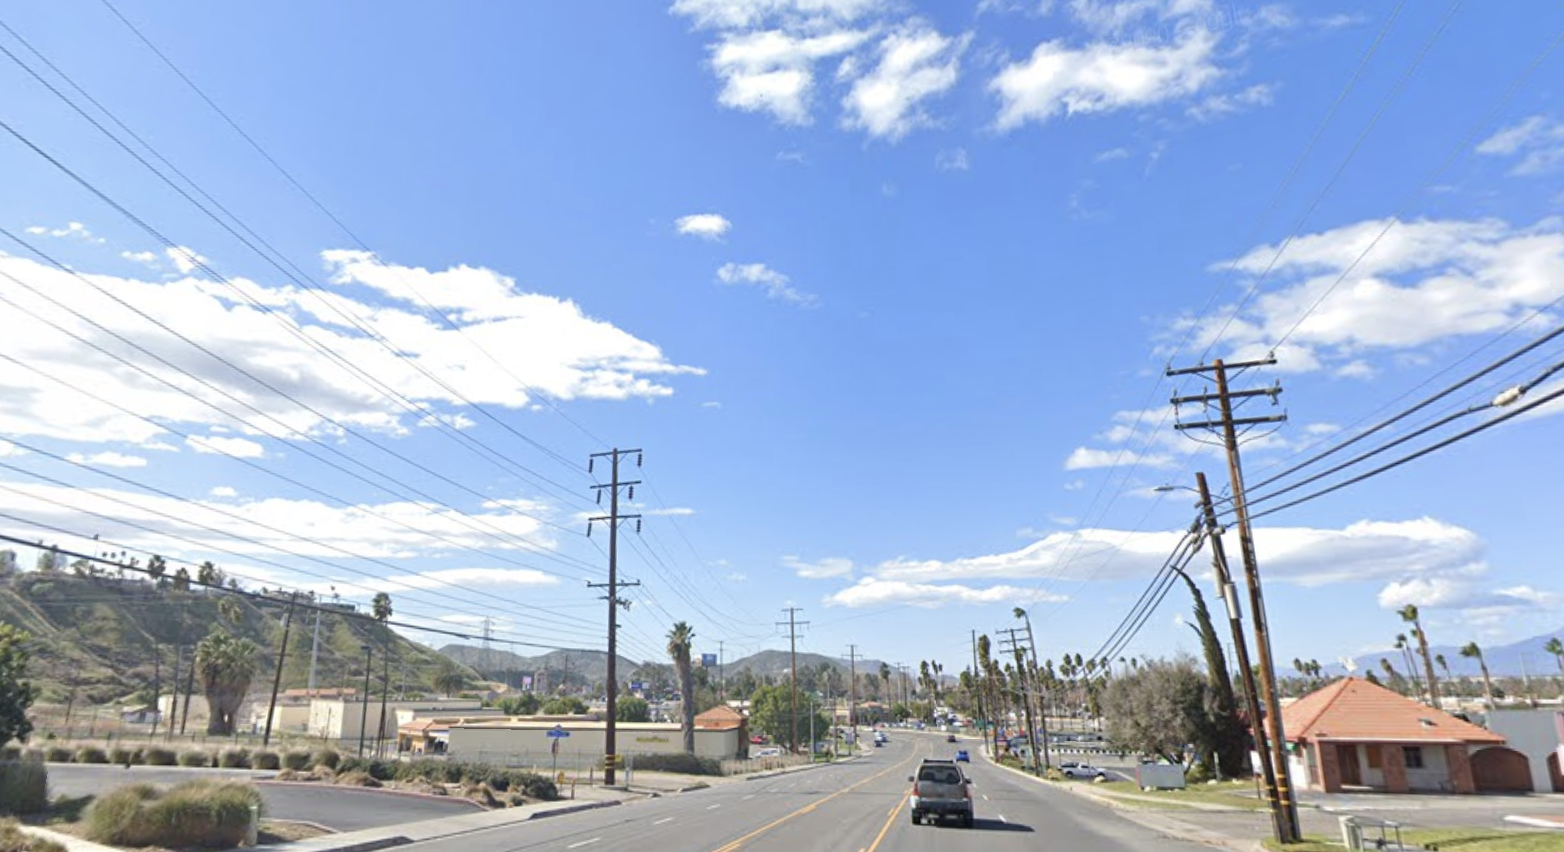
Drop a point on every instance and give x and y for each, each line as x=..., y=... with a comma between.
x=1515, y=659
x=575, y=665
x=776, y=664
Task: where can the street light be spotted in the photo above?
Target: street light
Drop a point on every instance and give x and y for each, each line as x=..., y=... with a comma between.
x=363, y=718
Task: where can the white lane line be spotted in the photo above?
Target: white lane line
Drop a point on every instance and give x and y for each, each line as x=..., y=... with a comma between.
x=1003, y=820
x=985, y=798
x=747, y=798
x=663, y=820
x=584, y=843
x=713, y=807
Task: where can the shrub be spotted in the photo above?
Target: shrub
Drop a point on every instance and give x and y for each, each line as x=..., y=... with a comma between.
x=687, y=764
x=433, y=771
x=481, y=794
x=57, y=754
x=265, y=760
x=11, y=752
x=1199, y=773
x=32, y=754
x=295, y=760
x=119, y=755
x=194, y=758
x=91, y=754
x=159, y=757
x=214, y=814
x=540, y=788
x=24, y=787
x=357, y=778
x=234, y=758
x=377, y=769
x=326, y=757
x=12, y=839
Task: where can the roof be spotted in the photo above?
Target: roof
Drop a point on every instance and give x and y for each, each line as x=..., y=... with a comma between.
x=1354, y=709
x=720, y=718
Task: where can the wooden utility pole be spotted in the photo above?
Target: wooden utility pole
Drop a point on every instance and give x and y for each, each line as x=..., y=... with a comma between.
x=1229, y=424
x=852, y=692
x=1042, y=695
x=1015, y=647
x=282, y=657
x=1229, y=593
x=613, y=519
x=792, y=674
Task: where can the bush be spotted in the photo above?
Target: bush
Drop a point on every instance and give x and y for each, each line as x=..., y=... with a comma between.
x=32, y=754
x=295, y=760
x=57, y=754
x=194, y=758
x=91, y=754
x=11, y=752
x=687, y=764
x=120, y=755
x=377, y=769
x=481, y=794
x=357, y=778
x=540, y=788
x=326, y=757
x=12, y=839
x=234, y=758
x=214, y=814
x=433, y=771
x=1199, y=773
x=24, y=787
x=155, y=756
x=265, y=760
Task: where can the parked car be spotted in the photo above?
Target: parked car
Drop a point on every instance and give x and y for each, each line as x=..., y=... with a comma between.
x=962, y=756
x=769, y=752
x=1072, y=769
x=940, y=790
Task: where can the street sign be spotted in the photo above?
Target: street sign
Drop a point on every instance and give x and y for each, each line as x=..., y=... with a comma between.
x=708, y=661
x=558, y=733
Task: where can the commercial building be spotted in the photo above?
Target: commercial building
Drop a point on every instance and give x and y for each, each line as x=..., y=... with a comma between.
x=525, y=740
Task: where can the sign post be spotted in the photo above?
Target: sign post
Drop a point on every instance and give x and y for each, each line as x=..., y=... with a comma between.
x=555, y=734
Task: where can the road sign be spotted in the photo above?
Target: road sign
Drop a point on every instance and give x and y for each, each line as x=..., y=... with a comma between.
x=558, y=733
x=708, y=661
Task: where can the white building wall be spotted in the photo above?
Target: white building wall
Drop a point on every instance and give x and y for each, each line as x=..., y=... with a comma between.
x=1434, y=774
x=1534, y=733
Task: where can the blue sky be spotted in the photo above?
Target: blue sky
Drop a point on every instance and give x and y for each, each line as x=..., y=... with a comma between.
x=883, y=289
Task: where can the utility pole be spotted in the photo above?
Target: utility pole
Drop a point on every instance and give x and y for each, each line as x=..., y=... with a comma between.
x=314, y=655
x=363, y=715
x=157, y=688
x=852, y=694
x=613, y=585
x=1042, y=695
x=722, y=681
x=1229, y=593
x=1016, y=648
x=184, y=716
x=977, y=687
x=282, y=657
x=792, y=670
x=385, y=690
x=1224, y=397
x=173, y=696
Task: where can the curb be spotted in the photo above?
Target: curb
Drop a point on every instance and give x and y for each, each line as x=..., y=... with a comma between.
x=772, y=773
x=383, y=791
x=573, y=809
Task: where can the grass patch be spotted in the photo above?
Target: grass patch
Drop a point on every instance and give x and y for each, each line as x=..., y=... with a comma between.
x=1445, y=840
x=24, y=787
x=210, y=814
x=12, y=839
x=1227, y=794
x=286, y=832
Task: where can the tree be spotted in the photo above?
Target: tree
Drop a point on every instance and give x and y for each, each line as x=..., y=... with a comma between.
x=770, y=714
x=449, y=680
x=564, y=705
x=49, y=561
x=182, y=580
x=632, y=709
x=525, y=704
x=230, y=610
x=208, y=574
x=679, y=639
x=1230, y=752
x=380, y=607
x=226, y=664
x=8, y=566
x=1159, y=709
x=1471, y=651
x=156, y=568
x=16, y=692
x=1556, y=648
x=1409, y=614
x=1444, y=667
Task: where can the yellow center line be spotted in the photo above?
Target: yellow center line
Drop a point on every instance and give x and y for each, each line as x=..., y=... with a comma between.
x=888, y=821
x=734, y=844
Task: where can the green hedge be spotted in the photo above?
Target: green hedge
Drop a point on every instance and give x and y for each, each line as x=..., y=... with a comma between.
x=687, y=764
x=296, y=760
x=57, y=754
x=155, y=756
x=194, y=758
x=211, y=814
x=234, y=758
x=265, y=760
x=326, y=757
x=91, y=754
x=24, y=787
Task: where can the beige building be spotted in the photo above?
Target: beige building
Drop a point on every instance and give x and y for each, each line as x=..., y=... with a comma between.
x=526, y=740
x=343, y=718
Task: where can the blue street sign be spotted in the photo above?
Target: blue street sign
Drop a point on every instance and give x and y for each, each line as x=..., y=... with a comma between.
x=708, y=660
x=558, y=733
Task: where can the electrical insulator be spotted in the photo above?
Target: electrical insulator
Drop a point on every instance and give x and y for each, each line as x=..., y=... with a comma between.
x=638, y=457
x=637, y=526
x=632, y=492
x=599, y=496
x=590, y=462
x=589, y=529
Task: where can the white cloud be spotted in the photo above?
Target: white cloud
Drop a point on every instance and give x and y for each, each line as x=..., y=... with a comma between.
x=1464, y=594
x=709, y=226
x=223, y=491
x=1103, y=77
x=953, y=160
x=185, y=259
x=1423, y=282
x=820, y=569
x=1217, y=106
x=1086, y=458
x=914, y=63
x=736, y=577
x=9, y=449
x=671, y=511
x=773, y=71
x=711, y=404
x=874, y=592
x=1111, y=154
x=107, y=459
x=749, y=13
x=797, y=158
x=72, y=230
x=236, y=447
x=143, y=257
x=1538, y=140
x=449, y=577
x=775, y=284
x=1114, y=17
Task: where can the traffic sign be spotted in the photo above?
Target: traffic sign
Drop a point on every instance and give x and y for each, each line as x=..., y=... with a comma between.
x=558, y=733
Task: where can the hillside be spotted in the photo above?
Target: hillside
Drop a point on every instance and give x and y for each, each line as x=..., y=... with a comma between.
x=774, y=664
x=1515, y=659
x=577, y=666
x=107, y=638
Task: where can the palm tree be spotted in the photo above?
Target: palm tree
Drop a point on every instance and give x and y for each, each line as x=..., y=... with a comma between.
x=1444, y=666
x=1405, y=647
x=229, y=609
x=449, y=680
x=1556, y=648
x=380, y=607
x=1390, y=671
x=679, y=641
x=1471, y=651
x=1409, y=614
x=226, y=664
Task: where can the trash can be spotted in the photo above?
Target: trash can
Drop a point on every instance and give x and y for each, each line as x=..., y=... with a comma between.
x=1351, y=833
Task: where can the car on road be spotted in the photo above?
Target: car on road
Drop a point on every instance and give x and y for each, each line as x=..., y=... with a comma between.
x=950, y=738
x=1073, y=769
x=769, y=752
x=962, y=756
x=940, y=790
x=880, y=737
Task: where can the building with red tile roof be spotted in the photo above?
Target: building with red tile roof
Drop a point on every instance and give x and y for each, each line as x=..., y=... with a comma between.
x=1353, y=734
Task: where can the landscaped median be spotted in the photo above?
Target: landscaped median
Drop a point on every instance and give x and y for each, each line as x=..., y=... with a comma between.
x=1448, y=840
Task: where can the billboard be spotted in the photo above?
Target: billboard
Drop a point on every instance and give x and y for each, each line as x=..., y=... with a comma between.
x=708, y=661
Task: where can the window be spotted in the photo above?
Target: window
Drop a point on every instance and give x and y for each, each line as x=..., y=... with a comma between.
x=1413, y=756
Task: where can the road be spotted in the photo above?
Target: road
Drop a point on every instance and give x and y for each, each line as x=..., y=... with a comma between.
x=860, y=805
x=338, y=808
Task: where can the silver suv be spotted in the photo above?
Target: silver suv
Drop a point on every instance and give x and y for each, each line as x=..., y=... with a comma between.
x=941, y=790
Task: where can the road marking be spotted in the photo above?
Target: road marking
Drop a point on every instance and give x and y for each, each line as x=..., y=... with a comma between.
x=713, y=807
x=584, y=843
x=985, y=798
x=747, y=798
x=1003, y=820
x=663, y=820
x=735, y=844
x=887, y=827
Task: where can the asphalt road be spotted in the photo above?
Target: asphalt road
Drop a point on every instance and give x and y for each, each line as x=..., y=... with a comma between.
x=339, y=808
x=854, y=807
